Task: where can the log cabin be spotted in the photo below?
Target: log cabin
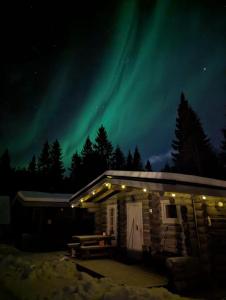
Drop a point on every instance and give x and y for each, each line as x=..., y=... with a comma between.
x=179, y=217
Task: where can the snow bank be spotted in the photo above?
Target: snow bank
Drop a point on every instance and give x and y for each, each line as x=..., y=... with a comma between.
x=52, y=276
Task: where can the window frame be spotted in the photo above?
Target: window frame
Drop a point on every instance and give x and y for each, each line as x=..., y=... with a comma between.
x=167, y=220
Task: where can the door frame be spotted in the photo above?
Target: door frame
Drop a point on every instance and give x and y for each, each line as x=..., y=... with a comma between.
x=115, y=224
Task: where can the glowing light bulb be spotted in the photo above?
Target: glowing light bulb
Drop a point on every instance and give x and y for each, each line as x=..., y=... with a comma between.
x=220, y=204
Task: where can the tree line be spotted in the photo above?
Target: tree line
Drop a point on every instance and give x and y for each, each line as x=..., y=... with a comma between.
x=47, y=172
x=192, y=153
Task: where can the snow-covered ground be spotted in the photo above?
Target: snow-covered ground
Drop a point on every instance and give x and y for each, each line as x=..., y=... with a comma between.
x=46, y=276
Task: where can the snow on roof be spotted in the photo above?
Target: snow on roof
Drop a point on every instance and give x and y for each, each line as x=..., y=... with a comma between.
x=161, y=180
x=44, y=199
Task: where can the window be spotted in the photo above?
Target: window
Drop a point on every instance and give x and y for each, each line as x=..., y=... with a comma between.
x=170, y=212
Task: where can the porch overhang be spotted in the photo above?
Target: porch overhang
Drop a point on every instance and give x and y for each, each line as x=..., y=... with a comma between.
x=115, y=182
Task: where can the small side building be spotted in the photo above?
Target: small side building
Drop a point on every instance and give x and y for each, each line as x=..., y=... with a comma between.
x=158, y=214
x=44, y=221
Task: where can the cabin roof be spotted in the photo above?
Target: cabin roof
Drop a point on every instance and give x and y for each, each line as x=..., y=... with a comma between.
x=150, y=181
x=32, y=198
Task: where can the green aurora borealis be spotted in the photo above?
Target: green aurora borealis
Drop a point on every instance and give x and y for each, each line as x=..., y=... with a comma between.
x=148, y=60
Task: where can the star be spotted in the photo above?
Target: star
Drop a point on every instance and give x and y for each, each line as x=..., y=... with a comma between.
x=204, y=69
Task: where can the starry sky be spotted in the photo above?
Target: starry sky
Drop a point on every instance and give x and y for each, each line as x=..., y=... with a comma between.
x=65, y=70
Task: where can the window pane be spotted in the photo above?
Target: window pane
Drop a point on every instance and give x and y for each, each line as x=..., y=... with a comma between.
x=171, y=211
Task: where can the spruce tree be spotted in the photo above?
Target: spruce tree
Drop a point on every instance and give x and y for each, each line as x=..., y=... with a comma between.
x=75, y=171
x=148, y=167
x=166, y=168
x=118, y=159
x=129, y=162
x=32, y=167
x=56, y=167
x=89, y=162
x=103, y=149
x=32, y=174
x=44, y=159
x=6, y=172
x=137, y=162
x=44, y=167
x=192, y=151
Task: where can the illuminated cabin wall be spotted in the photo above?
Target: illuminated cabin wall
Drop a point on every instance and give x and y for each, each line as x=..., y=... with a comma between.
x=200, y=230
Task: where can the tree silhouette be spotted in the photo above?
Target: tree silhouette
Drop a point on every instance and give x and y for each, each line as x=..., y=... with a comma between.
x=56, y=167
x=89, y=162
x=103, y=149
x=192, y=152
x=118, y=159
x=137, y=162
x=32, y=167
x=44, y=167
x=32, y=174
x=166, y=168
x=6, y=172
x=76, y=171
x=129, y=161
x=148, y=167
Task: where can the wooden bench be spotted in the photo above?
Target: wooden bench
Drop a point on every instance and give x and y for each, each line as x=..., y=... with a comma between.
x=95, y=250
x=73, y=248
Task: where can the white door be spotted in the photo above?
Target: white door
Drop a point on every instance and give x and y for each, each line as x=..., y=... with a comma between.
x=112, y=219
x=134, y=226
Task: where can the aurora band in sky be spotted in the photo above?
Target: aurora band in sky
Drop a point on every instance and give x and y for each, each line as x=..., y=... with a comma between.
x=137, y=87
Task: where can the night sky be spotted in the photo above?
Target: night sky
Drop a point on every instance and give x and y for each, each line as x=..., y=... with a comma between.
x=65, y=70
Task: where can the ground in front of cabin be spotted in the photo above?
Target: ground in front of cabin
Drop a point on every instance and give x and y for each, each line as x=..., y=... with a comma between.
x=52, y=276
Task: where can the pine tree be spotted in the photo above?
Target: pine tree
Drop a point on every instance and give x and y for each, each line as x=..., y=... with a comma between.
x=44, y=168
x=89, y=162
x=137, y=162
x=129, y=162
x=6, y=172
x=56, y=167
x=148, y=167
x=118, y=159
x=32, y=174
x=166, y=168
x=192, y=152
x=44, y=160
x=32, y=167
x=76, y=171
x=5, y=162
x=103, y=149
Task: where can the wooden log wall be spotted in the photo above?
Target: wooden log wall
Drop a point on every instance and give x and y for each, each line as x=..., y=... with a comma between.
x=146, y=221
x=95, y=208
x=176, y=238
x=155, y=223
x=202, y=231
x=100, y=210
x=216, y=235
